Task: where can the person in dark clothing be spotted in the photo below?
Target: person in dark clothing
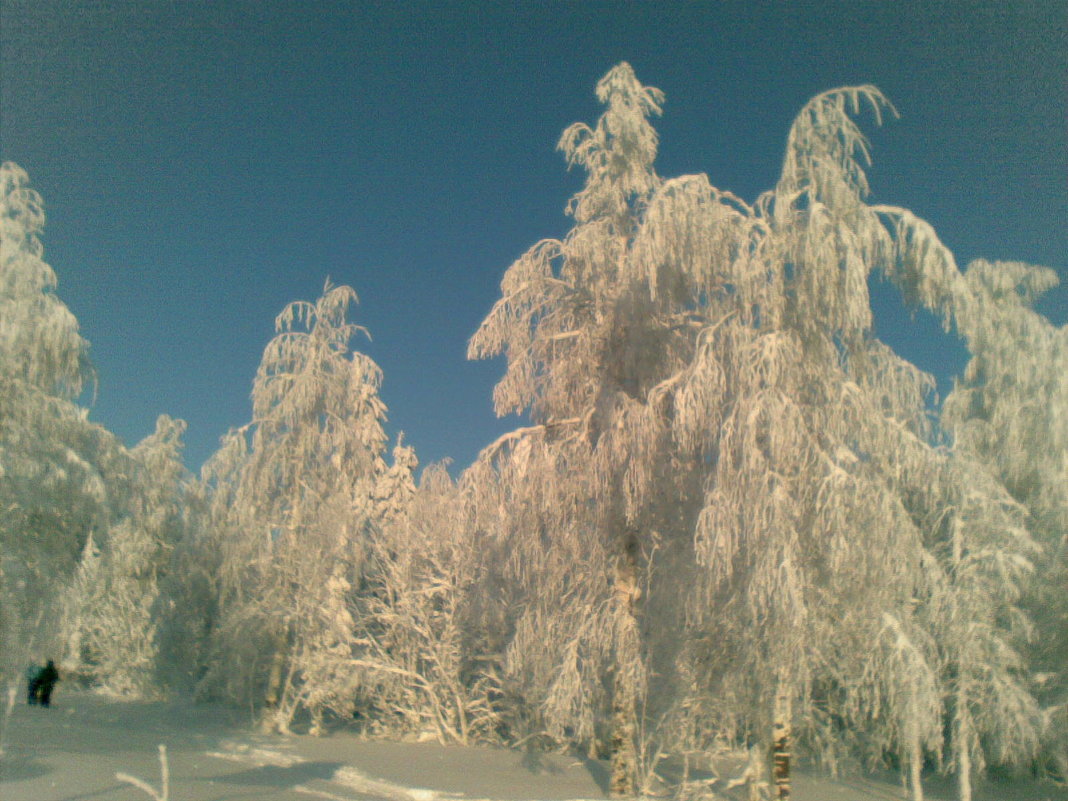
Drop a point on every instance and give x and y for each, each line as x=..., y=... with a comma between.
x=46, y=681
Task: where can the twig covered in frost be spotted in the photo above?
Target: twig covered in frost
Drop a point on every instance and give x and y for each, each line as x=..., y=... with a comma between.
x=165, y=778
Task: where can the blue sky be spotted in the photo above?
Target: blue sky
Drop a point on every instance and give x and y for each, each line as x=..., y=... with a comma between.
x=205, y=163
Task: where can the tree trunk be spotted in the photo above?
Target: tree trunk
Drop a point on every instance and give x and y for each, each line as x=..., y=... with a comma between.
x=624, y=760
x=273, y=696
x=624, y=733
x=780, y=742
x=916, y=767
x=964, y=776
x=962, y=744
x=961, y=727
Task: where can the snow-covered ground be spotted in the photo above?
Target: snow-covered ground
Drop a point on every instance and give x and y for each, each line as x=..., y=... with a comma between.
x=72, y=752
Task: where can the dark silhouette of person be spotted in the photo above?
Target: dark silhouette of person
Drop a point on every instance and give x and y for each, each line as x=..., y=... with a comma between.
x=46, y=681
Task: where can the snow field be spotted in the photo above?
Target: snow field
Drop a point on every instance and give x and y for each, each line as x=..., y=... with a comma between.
x=72, y=752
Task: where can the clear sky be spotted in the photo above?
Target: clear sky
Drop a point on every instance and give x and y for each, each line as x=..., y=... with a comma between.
x=205, y=163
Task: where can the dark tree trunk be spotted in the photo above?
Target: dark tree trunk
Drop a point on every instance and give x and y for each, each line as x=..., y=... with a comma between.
x=624, y=732
x=624, y=761
x=780, y=743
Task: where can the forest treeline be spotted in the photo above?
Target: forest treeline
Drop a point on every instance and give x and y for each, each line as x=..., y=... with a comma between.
x=736, y=519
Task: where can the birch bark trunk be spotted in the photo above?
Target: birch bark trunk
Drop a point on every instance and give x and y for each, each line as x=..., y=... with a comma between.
x=272, y=698
x=624, y=759
x=964, y=753
x=916, y=768
x=780, y=742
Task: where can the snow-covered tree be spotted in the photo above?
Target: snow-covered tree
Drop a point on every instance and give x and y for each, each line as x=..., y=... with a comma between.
x=188, y=610
x=39, y=338
x=709, y=401
x=1007, y=513
x=296, y=502
x=1008, y=415
x=419, y=668
x=585, y=347
x=111, y=618
x=86, y=525
x=53, y=461
x=818, y=472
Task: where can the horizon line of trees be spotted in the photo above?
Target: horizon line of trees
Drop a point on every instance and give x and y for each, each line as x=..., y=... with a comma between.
x=733, y=521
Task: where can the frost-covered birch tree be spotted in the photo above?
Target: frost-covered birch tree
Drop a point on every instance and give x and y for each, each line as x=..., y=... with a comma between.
x=667, y=350
x=53, y=461
x=847, y=481
x=707, y=396
x=811, y=435
x=1008, y=414
x=585, y=347
x=295, y=497
x=1002, y=550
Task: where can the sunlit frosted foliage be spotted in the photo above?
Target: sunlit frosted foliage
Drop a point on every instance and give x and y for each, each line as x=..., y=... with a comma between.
x=111, y=617
x=39, y=340
x=713, y=413
x=422, y=668
x=585, y=346
x=618, y=153
x=294, y=506
x=52, y=497
x=546, y=602
x=1009, y=413
x=72, y=495
x=55, y=466
x=1009, y=408
x=188, y=611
